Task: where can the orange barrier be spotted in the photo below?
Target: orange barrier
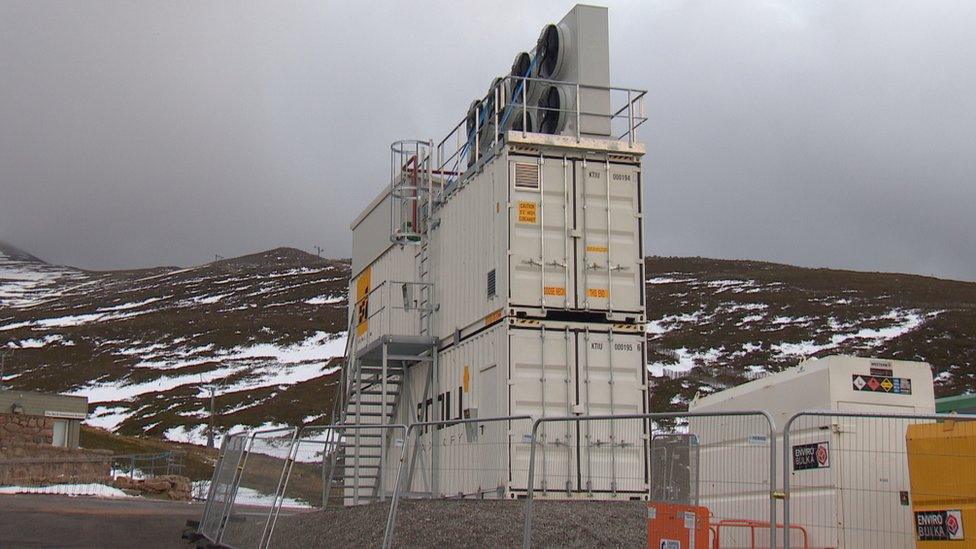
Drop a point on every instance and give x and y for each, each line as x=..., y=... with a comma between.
x=676, y=526
x=752, y=525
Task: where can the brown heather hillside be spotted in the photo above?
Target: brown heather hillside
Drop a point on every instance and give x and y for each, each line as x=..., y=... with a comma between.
x=269, y=329
x=717, y=323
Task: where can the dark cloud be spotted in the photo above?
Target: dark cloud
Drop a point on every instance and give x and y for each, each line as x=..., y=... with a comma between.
x=819, y=133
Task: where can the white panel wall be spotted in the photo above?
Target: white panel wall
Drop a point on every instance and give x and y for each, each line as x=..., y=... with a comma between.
x=371, y=232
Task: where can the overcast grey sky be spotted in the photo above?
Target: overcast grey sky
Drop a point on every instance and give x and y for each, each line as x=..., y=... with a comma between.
x=828, y=133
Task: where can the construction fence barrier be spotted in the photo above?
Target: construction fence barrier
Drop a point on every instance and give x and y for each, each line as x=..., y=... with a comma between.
x=861, y=479
x=719, y=467
x=260, y=478
x=845, y=479
x=331, y=468
x=463, y=459
x=222, y=485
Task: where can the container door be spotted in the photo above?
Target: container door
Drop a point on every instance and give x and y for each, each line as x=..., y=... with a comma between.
x=611, y=378
x=872, y=462
x=541, y=246
x=543, y=384
x=610, y=266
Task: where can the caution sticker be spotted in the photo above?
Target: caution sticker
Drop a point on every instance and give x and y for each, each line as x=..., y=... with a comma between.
x=527, y=211
x=670, y=544
x=597, y=292
x=597, y=249
x=554, y=290
x=493, y=317
x=939, y=525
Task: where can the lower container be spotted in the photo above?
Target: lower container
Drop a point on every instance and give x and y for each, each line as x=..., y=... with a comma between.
x=539, y=369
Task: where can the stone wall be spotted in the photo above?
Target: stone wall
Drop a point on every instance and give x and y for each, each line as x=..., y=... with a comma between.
x=21, y=428
x=28, y=458
x=173, y=487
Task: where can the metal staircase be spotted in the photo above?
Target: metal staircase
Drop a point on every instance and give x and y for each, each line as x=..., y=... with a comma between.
x=357, y=467
x=358, y=459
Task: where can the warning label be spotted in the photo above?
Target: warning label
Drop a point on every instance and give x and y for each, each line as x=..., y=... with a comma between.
x=939, y=525
x=670, y=544
x=597, y=249
x=555, y=290
x=811, y=456
x=597, y=292
x=526, y=211
x=882, y=384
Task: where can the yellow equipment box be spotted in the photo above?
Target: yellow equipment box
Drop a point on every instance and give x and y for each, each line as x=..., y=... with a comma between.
x=942, y=468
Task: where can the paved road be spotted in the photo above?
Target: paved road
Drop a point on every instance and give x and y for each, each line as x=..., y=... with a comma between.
x=28, y=520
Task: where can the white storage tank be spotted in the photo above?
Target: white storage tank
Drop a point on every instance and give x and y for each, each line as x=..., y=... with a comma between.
x=849, y=492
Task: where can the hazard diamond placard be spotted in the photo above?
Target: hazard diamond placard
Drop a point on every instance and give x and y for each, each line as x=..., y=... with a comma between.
x=882, y=384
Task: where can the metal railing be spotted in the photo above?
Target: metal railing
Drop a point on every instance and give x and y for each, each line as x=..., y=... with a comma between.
x=394, y=307
x=148, y=465
x=508, y=107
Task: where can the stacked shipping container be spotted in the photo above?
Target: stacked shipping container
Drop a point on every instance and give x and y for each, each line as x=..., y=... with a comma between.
x=535, y=263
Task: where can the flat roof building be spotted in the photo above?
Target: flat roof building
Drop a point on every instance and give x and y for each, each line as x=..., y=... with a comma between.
x=40, y=418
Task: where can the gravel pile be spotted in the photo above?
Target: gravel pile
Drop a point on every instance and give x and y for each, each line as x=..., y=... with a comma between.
x=470, y=523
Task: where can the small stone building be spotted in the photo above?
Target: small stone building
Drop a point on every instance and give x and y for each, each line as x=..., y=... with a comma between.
x=28, y=417
x=39, y=436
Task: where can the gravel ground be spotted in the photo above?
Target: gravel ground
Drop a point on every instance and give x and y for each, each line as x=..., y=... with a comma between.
x=470, y=523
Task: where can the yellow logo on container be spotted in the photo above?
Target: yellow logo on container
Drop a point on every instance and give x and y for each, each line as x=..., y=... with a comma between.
x=362, y=302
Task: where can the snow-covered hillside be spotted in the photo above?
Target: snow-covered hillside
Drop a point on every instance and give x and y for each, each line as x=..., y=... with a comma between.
x=717, y=323
x=141, y=345
x=268, y=329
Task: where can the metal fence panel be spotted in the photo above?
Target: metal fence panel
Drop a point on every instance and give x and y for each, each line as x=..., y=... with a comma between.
x=222, y=485
x=877, y=480
x=262, y=472
x=723, y=461
x=327, y=474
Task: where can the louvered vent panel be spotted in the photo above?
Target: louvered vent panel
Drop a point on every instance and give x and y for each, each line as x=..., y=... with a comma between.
x=491, y=283
x=526, y=175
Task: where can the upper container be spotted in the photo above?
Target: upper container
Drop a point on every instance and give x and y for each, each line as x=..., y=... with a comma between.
x=545, y=230
x=530, y=207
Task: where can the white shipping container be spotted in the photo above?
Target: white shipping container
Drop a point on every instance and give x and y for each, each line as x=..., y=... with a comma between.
x=525, y=367
x=547, y=227
x=851, y=500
